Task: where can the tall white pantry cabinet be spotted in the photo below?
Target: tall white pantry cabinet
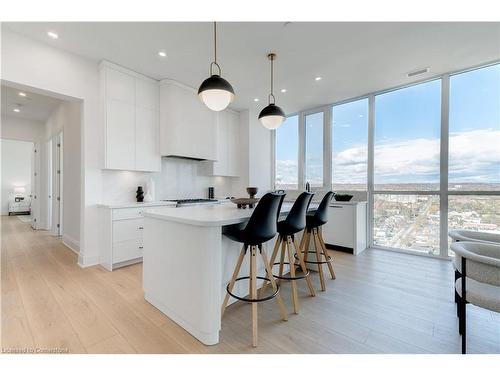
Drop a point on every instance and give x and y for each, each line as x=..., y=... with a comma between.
x=130, y=109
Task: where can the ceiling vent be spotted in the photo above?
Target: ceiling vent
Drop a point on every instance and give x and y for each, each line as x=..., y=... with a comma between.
x=417, y=72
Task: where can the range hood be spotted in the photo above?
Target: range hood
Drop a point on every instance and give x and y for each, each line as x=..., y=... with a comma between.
x=183, y=157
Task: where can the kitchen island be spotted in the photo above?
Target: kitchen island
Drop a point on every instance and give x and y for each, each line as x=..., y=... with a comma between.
x=188, y=262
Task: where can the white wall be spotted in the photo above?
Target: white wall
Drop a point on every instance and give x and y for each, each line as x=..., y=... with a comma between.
x=21, y=129
x=66, y=118
x=16, y=170
x=72, y=78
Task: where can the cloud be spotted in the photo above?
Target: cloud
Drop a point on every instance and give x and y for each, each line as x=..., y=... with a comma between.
x=474, y=156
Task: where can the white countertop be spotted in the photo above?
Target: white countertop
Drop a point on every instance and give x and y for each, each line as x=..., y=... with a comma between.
x=213, y=215
x=136, y=204
x=350, y=203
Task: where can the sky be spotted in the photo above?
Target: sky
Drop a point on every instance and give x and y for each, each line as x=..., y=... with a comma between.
x=407, y=135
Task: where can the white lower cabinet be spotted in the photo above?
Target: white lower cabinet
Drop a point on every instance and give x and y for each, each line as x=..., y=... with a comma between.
x=123, y=236
x=346, y=226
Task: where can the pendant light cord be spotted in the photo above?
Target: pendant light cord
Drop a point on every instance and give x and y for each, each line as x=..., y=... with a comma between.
x=271, y=95
x=215, y=42
x=215, y=52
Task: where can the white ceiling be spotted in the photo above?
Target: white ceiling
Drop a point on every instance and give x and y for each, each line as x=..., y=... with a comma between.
x=34, y=107
x=353, y=58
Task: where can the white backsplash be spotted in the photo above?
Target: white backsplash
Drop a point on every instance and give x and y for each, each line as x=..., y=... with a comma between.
x=179, y=178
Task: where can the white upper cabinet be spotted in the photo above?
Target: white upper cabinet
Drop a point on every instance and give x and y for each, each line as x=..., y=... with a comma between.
x=131, y=119
x=120, y=135
x=227, y=144
x=187, y=127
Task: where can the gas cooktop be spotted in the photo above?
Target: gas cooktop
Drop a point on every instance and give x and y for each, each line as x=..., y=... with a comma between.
x=191, y=201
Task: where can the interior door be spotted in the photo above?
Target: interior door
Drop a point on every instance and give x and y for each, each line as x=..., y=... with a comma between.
x=58, y=183
x=34, y=186
x=50, y=184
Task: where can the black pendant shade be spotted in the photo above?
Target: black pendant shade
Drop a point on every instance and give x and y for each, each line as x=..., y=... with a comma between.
x=271, y=110
x=215, y=82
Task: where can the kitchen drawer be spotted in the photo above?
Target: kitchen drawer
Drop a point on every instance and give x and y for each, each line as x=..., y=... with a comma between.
x=127, y=250
x=127, y=229
x=127, y=213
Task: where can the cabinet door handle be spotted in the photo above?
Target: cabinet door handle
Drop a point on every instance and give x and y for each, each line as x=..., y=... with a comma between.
x=337, y=206
x=141, y=247
x=141, y=227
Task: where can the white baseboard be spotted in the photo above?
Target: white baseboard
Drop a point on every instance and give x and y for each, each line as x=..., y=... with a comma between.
x=86, y=261
x=70, y=242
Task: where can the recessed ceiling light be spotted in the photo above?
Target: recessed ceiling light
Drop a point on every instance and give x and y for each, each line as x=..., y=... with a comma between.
x=23, y=94
x=16, y=110
x=283, y=90
x=52, y=34
x=255, y=99
x=162, y=54
x=317, y=78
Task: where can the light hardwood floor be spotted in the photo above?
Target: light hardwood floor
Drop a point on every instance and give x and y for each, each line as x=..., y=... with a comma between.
x=381, y=302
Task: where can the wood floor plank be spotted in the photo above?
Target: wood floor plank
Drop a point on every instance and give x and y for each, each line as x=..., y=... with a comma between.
x=16, y=333
x=49, y=325
x=112, y=345
x=87, y=319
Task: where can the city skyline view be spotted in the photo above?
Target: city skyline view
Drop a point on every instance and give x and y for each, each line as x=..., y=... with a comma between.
x=409, y=153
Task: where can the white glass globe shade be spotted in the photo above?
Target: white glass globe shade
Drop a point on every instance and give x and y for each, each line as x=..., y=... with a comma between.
x=272, y=122
x=216, y=100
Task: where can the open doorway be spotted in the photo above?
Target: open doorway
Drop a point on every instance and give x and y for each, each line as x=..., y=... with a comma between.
x=52, y=125
x=17, y=185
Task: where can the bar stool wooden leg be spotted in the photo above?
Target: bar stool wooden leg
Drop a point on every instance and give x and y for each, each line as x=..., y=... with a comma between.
x=275, y=287
x=317, y=246
x=273, y=258
x=304, y=269
x=253, y=293
x=291, y=262
x=282, y=258
x=233, y=279
x=325, y=252
x=307, y=243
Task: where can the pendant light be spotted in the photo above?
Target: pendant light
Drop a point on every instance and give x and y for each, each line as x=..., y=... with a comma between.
x=215, y=91
x=272, y=116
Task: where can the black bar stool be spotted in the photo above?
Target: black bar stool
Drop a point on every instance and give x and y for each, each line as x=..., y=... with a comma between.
x=314, y=222
x=261, y=227
x=295, y=222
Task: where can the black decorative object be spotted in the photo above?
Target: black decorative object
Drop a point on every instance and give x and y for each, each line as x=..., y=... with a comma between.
x=343, y=197
x=252, y=191
x=139, y=194
x=211, y=192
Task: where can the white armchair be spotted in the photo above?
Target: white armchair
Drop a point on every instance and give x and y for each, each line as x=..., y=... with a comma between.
x=474, y=236
x=479, y=283
x=458, y=235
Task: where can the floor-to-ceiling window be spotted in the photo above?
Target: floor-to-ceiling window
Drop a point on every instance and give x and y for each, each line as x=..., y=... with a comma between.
x=428, y=154
x=474, y=150
x=314, y=125
x=287, y=154
x=406, y=168
x=349, y=124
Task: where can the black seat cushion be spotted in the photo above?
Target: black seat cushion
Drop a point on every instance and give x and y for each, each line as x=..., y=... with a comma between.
x=296, y=218
x=320, y=216
x=262, y=225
